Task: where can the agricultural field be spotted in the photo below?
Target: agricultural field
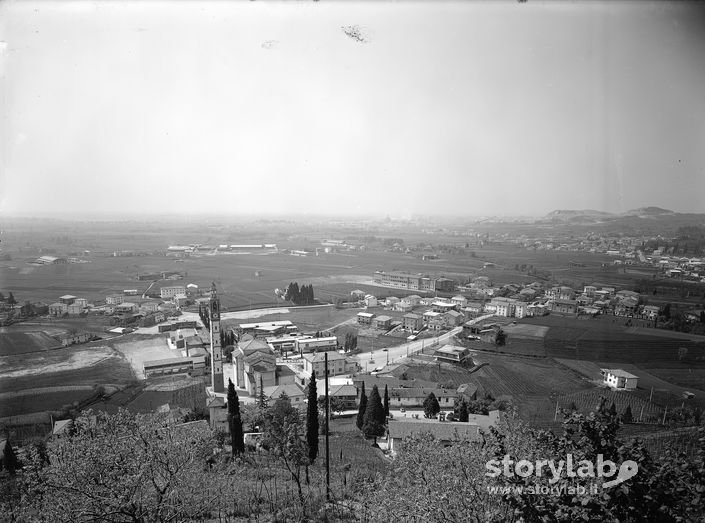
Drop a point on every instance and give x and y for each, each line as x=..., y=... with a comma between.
x=665, y=392
x=26, y=342
x=52, y=399
x=36, y=336
x=586, y=401
x=519, y=377
x=43, y=381
x=690, y=378
x=589, y=369
x=608, y=339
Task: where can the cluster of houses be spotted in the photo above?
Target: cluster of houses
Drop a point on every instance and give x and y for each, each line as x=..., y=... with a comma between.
x=479, y=296
x=128, y=308
x=139, y=312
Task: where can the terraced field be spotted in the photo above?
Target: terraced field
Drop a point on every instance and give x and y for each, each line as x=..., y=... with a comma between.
x=13, y=342
x=521, y=377
x=587, y=400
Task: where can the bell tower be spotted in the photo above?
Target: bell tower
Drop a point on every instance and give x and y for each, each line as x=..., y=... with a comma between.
x=216, y=349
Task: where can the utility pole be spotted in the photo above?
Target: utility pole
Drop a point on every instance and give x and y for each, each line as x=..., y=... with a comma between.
x=327, y=444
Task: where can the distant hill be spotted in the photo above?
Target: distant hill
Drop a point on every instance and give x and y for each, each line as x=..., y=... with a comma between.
x=585, y=216
x=649, y=211
x=584, y=212
x=644, y=220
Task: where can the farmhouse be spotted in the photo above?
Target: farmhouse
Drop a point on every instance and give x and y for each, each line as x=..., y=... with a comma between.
x=337, y=365
x=72, y=339
x=293, y=391
x=382, y=322
x=454, y=318
x=370, y=301
x=452, y=354
x=415, y=396
x=650, y=312
x=460, y=301
x=619, y=379
x=114, y=299
x=565, y=306
x=403, y=306
x=58, y=309
x=347, y=394
x=414, y=300
x=365, y=318
x=412, y=322
x=76, y=308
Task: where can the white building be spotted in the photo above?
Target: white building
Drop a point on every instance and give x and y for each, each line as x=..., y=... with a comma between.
x=337, y=365
x=304, y=345
x=619, y=379
x=170, y=292
x=504, y=307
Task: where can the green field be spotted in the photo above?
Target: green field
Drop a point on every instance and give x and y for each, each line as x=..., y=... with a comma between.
x=26, y=342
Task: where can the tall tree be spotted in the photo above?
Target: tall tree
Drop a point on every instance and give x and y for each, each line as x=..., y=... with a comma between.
x=463, y=414
x=283, y=435
x=431, y=407
x=263, y=401
x=386, y=401
x=237, y=438
x=362, y=408
x=312, y=419
x=11, y=299
x=627, y=416
x=373, y=425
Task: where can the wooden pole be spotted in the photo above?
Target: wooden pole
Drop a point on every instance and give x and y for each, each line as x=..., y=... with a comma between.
x=327, y=431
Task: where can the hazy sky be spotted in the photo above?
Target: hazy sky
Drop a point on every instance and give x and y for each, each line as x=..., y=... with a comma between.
x=454, y=108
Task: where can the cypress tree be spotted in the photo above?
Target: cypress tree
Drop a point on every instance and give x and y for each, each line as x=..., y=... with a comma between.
x=386, y=401
x=312, y=419
x=627, y=417
x=237, y=438
x=362, y=408
x=431, y=407
x=463, y=414
x=263, y=403
x=374, y=415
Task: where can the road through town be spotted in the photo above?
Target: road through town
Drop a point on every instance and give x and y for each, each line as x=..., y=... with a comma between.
x=379, y=358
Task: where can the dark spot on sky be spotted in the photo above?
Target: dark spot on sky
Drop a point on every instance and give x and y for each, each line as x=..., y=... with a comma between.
x=354, y=32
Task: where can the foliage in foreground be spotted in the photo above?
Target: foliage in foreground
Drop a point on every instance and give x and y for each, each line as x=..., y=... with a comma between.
x=128, y=467
x=430, y=482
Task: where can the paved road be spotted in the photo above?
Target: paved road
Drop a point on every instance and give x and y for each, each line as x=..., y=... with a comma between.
x=407, y=349
x=401, y=351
